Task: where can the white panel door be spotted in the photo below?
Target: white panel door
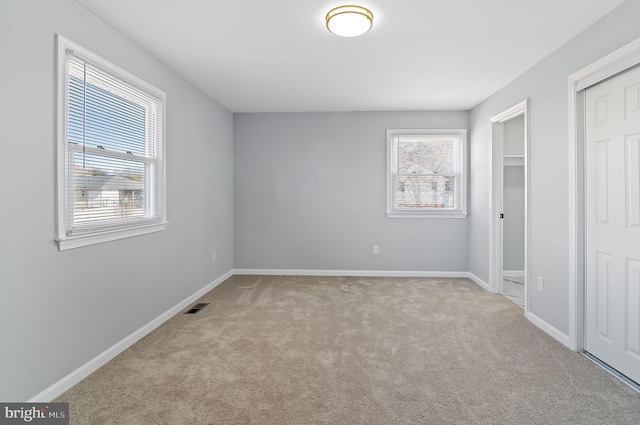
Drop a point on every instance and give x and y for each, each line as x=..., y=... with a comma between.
x=613, y=223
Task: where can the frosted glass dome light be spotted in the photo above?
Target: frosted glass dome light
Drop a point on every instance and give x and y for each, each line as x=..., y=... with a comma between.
x=349, y=21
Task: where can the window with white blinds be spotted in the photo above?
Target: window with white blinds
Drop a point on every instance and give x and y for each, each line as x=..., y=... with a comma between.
x=427, y=173
x=110, y=151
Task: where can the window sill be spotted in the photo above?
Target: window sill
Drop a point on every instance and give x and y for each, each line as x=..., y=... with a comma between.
x=415, y=214
x=71, y=242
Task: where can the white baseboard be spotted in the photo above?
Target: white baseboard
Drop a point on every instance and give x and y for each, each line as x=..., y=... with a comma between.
x=101, y=359
x=91, y=366
x=364, y=273
x=484, y=285
x=513, y=273
x=555, y=333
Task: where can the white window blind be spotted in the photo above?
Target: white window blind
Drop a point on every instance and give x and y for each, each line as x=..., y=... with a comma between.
x=112, y=144
x=426, y=173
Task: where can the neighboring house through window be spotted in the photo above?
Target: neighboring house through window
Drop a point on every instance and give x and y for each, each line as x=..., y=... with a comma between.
x=110, y=151
x=427, y=173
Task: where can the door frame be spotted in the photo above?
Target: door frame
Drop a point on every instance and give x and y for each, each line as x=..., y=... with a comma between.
x=497, y=196
x=614, y=63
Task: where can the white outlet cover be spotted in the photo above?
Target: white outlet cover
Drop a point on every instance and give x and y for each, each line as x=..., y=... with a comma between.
x=540, y=284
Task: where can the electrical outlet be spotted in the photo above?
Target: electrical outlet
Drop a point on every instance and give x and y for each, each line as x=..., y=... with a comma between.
x=213, y=256
x=376, y=249
x=540, y=284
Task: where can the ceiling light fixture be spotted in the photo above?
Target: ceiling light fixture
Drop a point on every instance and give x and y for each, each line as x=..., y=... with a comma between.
x=349, y=21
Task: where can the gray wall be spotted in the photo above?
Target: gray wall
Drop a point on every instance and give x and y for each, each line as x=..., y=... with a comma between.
x=513, y=196
x=60, y=309
x=546, y=87
x=513, y=223
x=310, y=193
x=513, y=136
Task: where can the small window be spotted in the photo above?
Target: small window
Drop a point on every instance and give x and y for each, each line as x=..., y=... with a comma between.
x=110, y=151
x=427, y=173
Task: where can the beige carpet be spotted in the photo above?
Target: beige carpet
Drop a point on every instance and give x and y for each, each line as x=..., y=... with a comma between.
x=318, y=350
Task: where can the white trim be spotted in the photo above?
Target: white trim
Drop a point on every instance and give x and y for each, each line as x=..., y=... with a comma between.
x=159, y=220
x=509, y=113
x=484, y=285
x=461, y=193
x=611, y=64
x=614, y=63
x=363, y=273
x=426, y=214
x=497, y=162
x=101, y=359
x=65, y=44
x=513, y=273
x=495, y=208
x=71, y=242
x=562, y=338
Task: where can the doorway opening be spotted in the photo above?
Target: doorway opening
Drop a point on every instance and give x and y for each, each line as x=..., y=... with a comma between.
x=508, y=225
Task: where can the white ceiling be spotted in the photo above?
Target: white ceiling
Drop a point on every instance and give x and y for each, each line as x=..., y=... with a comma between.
x=277, y=56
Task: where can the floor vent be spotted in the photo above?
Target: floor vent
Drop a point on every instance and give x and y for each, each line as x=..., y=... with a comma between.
x=196, y=308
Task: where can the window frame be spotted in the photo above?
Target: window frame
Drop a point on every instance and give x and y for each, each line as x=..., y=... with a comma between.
x=460, y=171
x=63, y=239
